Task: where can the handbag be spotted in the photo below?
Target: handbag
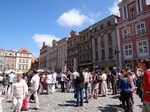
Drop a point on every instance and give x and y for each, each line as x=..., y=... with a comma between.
x=25, y=104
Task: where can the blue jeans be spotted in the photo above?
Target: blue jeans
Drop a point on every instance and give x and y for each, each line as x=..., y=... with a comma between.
x=79, y=93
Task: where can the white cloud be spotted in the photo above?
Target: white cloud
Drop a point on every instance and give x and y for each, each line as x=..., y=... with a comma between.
x=74, y=17
x=147, y=2
x=40, y=38
x=115, y=9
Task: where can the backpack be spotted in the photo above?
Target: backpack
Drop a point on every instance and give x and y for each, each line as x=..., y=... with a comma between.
x=96, y=79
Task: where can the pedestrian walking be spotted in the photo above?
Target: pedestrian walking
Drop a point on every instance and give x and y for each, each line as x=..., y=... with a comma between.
x=86, y=84
x=19, y=91
x=95, y=85
x=35, y=82
x=145, y=66
x=11, y=79
x=50, y=82
x=114, y=81
x=103, y=83
x=126, y=92
x=79, y=84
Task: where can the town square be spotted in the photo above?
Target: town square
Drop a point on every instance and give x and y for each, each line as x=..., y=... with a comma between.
x=75, y=56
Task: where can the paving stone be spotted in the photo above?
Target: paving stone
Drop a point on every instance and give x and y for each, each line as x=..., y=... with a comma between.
x=64, y=102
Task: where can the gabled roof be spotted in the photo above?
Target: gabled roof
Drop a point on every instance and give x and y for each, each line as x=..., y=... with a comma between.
x=24, y=50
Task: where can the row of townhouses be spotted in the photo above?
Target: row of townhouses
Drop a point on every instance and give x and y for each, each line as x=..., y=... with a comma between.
x=19, y=61
x=113, y=41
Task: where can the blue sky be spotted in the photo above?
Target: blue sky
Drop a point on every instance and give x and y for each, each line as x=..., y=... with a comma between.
x=27, y=23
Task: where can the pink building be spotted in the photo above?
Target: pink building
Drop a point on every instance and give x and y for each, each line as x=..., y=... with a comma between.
x=133, y=31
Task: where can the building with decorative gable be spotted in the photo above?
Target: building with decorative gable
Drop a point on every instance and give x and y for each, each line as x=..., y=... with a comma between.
x=133, y=31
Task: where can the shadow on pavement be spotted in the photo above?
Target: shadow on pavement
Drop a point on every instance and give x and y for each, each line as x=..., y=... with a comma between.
x=110, y=108
x=70, y=103
x=115, y=97
x=139, y=106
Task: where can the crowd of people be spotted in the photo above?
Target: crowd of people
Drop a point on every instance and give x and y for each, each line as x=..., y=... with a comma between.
x=85, y=84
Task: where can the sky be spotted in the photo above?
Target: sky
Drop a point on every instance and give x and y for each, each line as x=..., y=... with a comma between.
x=27, y=23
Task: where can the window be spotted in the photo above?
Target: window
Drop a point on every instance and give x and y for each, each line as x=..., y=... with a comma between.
x=102, y=39
x=19, y=67
x=96, y=43
x=88, y=46
x=143, y=47
x=110, y=53
x=139, y=6
x=23, y=60
x=109, y=37
x=19, y=60
x=125, y=16
x=96, y=55
x=109, y=23
x=26, y=67
x=12, y=66
x=83, y=37
x=22, y=67
x=26, y=61
x=128, y=50
x=8, y=66
x=140, y=28
x=102, y=27
x=103, y=54
x=95, y=29
x=102, y=45
x=126, y=32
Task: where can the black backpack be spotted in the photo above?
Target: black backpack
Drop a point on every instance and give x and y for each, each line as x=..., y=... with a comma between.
x=96, y=79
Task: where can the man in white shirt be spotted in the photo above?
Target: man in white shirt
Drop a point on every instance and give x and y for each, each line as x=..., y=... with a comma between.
x=35, y=82
x=63, y=78
x=74, y=76
x=86, y=83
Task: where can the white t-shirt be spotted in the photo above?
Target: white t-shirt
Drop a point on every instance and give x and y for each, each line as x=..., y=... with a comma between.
x=54, y=76
x=75, y=74
x=35, y=82
x=19, y=89
x=63, y=76
x=86, y=76
x=49, y=79
x=104, y=77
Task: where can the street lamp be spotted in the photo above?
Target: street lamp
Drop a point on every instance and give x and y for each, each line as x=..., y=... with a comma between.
x=117, y=60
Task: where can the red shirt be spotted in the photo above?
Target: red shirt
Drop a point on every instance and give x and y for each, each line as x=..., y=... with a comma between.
x=147, y=86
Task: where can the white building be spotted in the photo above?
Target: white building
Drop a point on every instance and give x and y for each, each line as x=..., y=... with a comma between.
x=23, y=60
x=62, y=54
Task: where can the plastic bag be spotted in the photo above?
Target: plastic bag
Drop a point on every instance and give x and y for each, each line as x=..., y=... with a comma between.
x=25, y=104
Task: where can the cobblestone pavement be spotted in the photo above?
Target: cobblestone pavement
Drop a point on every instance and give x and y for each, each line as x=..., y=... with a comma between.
x=64, y=102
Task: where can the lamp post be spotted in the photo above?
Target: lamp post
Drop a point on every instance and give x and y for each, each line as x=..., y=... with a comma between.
x=117, y=60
